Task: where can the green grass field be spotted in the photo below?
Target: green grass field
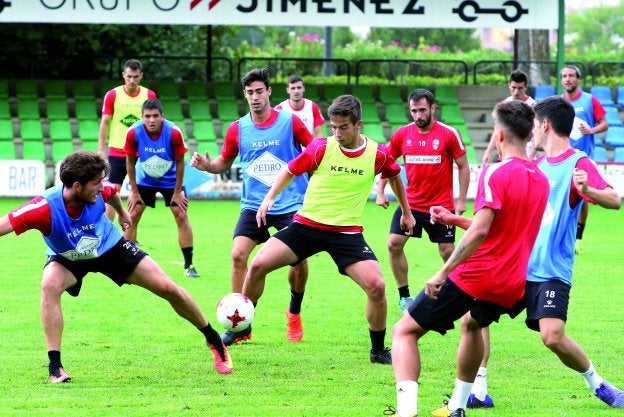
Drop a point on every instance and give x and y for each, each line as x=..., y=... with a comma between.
x=130, y=355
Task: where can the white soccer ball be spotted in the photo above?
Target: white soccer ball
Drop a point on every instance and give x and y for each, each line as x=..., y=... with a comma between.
x=235, y=312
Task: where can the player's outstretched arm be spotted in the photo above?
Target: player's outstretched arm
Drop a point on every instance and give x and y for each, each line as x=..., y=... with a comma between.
x=5, y=225
x=281, y=182
x=442, y=215
x=213, y=166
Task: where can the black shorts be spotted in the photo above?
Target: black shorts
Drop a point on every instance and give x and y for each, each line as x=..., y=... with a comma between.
x=148, y=195
x=344, y=248
x=118, y=170
x=438, y=233
x=546, y=299
x=452, y=303
x=117, y=264
x=247, y=225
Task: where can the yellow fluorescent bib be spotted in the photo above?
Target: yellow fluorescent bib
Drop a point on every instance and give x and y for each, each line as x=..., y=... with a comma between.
x=339, y=188
x=126, y=111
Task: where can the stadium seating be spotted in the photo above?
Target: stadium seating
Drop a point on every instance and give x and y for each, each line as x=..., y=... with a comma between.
x=542, y=91
x=60, y=130
x=60, y=149
x=618, y=154
x=364, y=93
x=463, y=131
x=26, y=89
x=612, y=116
x=35, y=150
x=31, y=130
x=375, y=131
x=370, y=113
x=204, y=131
x=222, y=90
x=83, y=89
x=5, y=109
x=446, y=94
x=196, y=90
x=451, y=114
x=168, y=90
x=212, y=148
x=85, y=109
x=56, y=108
x=331, y=91
x=55, y=89
x=471, y=155
x=88, y=130
x=6, y=129
x=600, y=154
x=615, y=136
x=4, y=89
x=172, y=109
x=390, y=94
x=182, y=125
x=7, y=149
x=619, y=99
x=603, y=94
x=28, y=108
x=199, y=110
x=396, y=114
x=107, y=85
x=227, y=111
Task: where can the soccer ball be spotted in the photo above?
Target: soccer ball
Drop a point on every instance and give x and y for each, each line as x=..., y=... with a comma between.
x=235, y=312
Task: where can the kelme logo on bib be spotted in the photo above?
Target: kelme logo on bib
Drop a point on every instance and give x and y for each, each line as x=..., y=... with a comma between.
x=266, y=168
x=156, y=167
x=85, y=249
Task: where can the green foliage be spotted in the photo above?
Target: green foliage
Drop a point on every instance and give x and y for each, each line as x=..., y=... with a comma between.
x=446, y=40
x=597, y=30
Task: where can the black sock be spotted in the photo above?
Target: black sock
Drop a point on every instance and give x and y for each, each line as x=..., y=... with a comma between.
x=188, y=256
x=580, y=228
x=295, y=302
x=404, y=291
x=377, y=338
x=212, y=337
x=55, y=360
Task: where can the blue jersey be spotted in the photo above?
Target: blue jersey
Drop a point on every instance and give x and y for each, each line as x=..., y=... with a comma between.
x=156, y=165
x=552, y=257
x=584, y=110
x=87, y=237
x=264, y=154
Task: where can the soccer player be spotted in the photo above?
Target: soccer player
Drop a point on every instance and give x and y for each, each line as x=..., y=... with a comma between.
x=344, y=167
x=518, y=84
x=265, y=139
x=589, y=110
x=307, y=110
x=159, y=146
x=81, y=239
x=429, y=148
x=120, y=110
x=485, y=274
x=573, y=177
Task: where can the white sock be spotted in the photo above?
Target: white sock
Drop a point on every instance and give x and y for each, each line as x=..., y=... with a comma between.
x=592, y=379
x=407, y=398
x=459, y=399
x=479, y=389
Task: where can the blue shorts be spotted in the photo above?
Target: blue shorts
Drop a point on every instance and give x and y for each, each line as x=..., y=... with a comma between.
x=247, y=225
x=452, y=303
x=438, y=232
x=546, y=299
x=344, y=248
x=117, y=264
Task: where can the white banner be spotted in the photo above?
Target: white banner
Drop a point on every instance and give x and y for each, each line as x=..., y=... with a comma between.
x=22, y=178
x=516, y=14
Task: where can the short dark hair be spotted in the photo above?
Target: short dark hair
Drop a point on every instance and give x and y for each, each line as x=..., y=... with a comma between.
x=559, y=113
x=519, y=76
x=346, y=105
x=133, y=64
x=295, y=79
x=82, y=166
x=419, y=94
x=151, y=104
x=257, y=74
x=516, y=118
x=574, y=67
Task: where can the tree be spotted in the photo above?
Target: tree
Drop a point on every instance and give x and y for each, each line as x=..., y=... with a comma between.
x=449, y=40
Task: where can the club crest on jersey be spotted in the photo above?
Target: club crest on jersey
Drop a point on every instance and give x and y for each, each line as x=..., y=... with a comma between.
x=436, y=144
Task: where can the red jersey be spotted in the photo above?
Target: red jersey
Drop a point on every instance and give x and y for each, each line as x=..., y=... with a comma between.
x=518, y=192
x=230, y=144
x=178, y=146
x=428, y=159
x=36, y=213
x=312, y=156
